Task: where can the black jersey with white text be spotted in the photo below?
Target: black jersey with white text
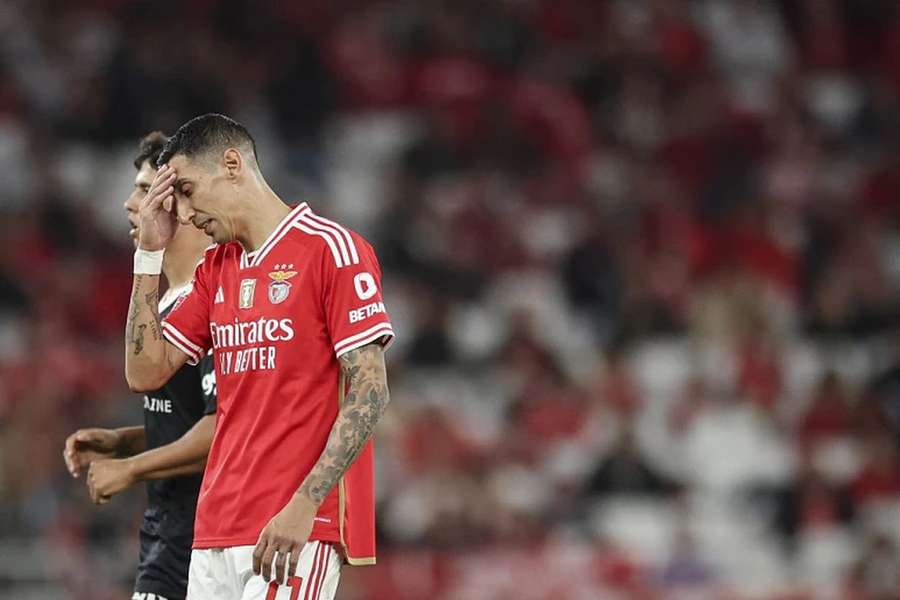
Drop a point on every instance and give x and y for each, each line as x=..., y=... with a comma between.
x=167, y=529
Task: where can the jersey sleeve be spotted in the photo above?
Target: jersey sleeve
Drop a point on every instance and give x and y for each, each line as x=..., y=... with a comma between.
x=187, y=325
x=207, y=370
x=354, y=307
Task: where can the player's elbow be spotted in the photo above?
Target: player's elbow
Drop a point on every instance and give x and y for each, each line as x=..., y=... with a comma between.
x=138, y=385
x=142, y=382
x=148, y=373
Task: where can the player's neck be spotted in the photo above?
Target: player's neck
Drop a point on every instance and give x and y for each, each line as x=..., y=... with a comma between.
x=179, y=264
x=268, y=211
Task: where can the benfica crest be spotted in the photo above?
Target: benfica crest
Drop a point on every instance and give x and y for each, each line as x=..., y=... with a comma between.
x=280, y=287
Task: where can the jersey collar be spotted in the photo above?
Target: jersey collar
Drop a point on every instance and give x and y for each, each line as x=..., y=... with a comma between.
x=253, y=259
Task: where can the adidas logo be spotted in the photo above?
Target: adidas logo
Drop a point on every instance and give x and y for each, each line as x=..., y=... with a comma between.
x=220, y=296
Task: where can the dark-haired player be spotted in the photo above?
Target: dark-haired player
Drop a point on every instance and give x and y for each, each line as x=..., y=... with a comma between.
x=170, y=450
x=291, y=305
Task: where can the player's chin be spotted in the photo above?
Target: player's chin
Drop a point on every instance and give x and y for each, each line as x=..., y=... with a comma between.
x=219, y=235
x=208, y=227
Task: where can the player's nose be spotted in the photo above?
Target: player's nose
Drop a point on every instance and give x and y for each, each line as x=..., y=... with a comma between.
x=131, y=203
x=184, y=211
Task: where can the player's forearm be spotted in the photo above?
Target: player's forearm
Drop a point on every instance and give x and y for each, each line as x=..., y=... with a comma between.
x=145, y=348
x=132, y=440
x=184, y=456
x=189, y=469
x=366, y=400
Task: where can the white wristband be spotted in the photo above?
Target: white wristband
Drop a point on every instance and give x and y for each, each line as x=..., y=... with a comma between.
x=148, y=262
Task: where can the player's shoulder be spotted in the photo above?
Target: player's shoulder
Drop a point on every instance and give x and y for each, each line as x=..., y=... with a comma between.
x=339, y=244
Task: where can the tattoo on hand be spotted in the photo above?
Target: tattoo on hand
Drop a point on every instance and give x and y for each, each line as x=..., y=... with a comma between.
x=363, y=405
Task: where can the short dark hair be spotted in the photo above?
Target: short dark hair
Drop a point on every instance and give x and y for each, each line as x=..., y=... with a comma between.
x=206, y=133
x=149, y=148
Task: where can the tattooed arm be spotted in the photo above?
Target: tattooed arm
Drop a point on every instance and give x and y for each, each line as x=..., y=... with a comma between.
x=150, y=361
x=365, y=402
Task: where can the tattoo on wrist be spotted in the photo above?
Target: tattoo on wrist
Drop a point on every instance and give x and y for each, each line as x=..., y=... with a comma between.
x=363, y=405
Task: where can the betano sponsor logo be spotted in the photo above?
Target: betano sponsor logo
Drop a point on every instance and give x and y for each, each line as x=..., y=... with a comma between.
x=242, y=333
x=361, y=314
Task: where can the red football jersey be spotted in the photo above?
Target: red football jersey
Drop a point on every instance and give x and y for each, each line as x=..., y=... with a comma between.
x=278, y=319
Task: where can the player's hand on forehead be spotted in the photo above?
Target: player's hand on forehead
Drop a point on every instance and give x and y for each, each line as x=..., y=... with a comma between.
x=163, y=184
x=157, y=216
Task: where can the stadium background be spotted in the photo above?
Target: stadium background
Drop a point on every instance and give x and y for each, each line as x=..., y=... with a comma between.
x=642, y=257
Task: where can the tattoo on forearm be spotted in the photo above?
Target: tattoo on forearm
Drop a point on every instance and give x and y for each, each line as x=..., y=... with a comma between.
x=134, y=330
x=131, y=326
x=139, y=339
x=366, y=400
x=153, y=302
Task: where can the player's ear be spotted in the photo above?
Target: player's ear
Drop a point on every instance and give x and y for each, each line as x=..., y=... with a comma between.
x=234, y=163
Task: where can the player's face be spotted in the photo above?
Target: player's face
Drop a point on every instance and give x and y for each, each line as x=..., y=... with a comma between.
x=142, y=182
x=203, y=197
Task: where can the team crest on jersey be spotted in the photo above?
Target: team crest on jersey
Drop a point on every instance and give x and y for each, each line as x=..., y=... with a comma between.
x=248, y=286
x=280, y=287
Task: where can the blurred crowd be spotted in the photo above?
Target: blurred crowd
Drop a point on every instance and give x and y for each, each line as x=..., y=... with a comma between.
x=642, y=256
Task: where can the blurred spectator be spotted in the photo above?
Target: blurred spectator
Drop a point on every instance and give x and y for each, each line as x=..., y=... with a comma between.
x=625, y=471
x=812, y=502
x=686, y=571
x=876, y=576
x=879, y=478
x=829, y=414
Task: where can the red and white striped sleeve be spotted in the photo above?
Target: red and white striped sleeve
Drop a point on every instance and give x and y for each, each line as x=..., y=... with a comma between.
x=354, y=306
x=187, y=325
